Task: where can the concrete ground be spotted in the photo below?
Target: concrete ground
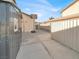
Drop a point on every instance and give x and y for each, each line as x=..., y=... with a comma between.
x=40, y=46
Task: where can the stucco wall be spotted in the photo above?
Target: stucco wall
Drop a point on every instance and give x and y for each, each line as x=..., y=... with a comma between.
x=73, y=9
x=27, y=23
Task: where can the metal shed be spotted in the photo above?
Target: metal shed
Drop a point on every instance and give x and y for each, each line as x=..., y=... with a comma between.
x=10, y=30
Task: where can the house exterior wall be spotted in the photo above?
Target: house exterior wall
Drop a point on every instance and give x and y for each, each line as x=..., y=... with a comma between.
x=73, y=9
x=27, y=23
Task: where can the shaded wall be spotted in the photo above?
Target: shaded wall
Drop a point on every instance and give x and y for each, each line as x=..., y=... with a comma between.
x=10, y=30
x=47, y=28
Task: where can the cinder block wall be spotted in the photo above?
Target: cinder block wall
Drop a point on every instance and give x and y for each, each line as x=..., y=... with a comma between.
x=66, y=32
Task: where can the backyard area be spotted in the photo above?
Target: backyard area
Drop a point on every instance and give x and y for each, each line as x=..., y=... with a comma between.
x=39, y=45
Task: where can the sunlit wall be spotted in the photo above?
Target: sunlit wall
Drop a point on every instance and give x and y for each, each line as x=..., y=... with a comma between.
x=66, y=31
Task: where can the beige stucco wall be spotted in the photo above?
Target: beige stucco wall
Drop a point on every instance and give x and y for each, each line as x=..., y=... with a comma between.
x=27, y=23
x=73, y=9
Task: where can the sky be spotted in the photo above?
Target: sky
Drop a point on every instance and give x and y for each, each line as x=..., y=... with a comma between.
x=43, y=8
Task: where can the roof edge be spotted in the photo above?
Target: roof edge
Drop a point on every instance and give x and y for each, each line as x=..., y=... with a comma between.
x=14, y=1
x=26, y=14
x=68, y=5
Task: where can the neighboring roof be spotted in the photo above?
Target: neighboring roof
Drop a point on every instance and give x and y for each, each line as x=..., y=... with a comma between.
x=26, y=14
x=70, y=17
x=31, y=16
x=14, y=1
x=11, y=4
x=69, y=5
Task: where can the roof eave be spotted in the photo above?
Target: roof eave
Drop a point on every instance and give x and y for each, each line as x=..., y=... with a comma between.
x=14, y=1
x=26, y=14
x=68, y=5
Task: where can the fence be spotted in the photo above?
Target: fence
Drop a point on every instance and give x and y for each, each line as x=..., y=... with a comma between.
x=45, y=26
x=66, y=31
x=10, y=30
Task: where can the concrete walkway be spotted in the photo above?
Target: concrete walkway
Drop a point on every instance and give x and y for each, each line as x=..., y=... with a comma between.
x=40, y=46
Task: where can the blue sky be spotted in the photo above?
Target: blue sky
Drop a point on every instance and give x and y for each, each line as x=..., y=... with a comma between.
x=43, y=8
